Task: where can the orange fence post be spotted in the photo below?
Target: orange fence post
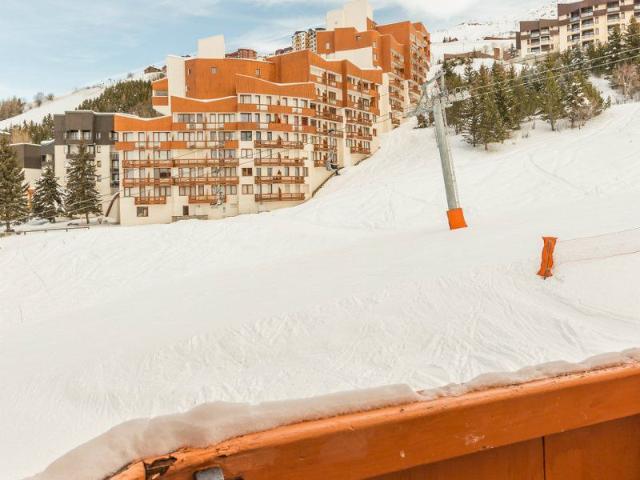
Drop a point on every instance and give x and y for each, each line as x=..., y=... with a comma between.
x=546, y=265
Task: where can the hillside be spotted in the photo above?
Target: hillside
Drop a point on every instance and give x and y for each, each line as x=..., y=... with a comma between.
x=361, y=287
x=71, y=101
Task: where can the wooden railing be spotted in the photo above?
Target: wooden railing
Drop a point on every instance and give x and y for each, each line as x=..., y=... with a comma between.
x=265, y=162
x=150, y=200
x=206, y=162
x=280, y=179
x=279, y=197
x=279, y=144
x=583, y=426
x=361, y=150
x=206, y=180
x=204, y=199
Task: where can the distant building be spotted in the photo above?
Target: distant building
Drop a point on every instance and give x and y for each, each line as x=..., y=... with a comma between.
x=95, y=131
x=284, y=51
x=577, y=24
x=30, y=158
x=245, y=53
x=306, y=39
x=152, y=69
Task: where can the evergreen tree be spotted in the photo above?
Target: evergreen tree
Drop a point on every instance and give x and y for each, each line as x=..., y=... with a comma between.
x=47, y=197
x=614, y=49
x=13, y=190
x=504, y=97
x=577, y=105
x=551, y=99
x=491, y=128
x=632, y=41
x=470, y=115
x=82, y=196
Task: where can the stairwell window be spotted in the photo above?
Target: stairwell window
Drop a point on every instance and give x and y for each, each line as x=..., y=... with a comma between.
x=247, y=189
x=247, y=172
x=257, y=72
x=142, y=211
x=214, y=70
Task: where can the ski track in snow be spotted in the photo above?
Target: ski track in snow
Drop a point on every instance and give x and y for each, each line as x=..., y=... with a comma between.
x=361, y=287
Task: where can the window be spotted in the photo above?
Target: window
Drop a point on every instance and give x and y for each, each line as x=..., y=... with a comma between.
x=98, y=163
x=245, y=98
x=247, y=172
x=246, y=153
x=247, y=189
x=214, y=70
x=245, y=117
x=257, y=72
x=98, y=149
x=246, y=136
x=142, y=211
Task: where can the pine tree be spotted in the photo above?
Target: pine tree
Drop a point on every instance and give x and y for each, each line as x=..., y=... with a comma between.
x=13, y=190
x=551, y=100
x=470, y=115
x=577, y=105
x=82, y=196
x=504, y=97
x=47, y=197
x=614, y=49
x=491, y=128
x=632, y=41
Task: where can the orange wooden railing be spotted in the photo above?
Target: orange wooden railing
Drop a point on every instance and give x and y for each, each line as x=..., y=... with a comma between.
x=576, y=427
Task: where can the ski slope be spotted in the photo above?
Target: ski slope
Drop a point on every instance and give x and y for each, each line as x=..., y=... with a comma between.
x=58, y=105
x=362, y=287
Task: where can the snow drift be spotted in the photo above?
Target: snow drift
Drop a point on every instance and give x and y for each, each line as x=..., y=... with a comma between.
x=362, y=286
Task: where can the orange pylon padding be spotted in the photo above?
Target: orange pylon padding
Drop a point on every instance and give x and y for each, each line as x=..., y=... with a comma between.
x=546, y=266
x=456, y=219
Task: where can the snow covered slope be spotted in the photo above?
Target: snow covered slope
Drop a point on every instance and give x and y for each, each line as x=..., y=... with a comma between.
x=58, y=105
x=361, y=287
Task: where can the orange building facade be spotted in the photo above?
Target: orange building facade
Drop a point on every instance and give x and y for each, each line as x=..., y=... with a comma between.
x=241, y=136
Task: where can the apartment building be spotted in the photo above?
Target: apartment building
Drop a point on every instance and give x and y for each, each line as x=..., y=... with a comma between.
x=306, y=39
x=400, y=50
x=243, y=53
x=243, y=136
x=578, y=24
x=96, y=132
x=30, y=158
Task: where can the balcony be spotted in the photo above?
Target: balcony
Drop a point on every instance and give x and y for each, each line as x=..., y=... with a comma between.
x=280, y=197
x=279, y=179
x=149, y=163
x=331, y=133
x=207, y=199
x=360, y=136
x=275, y=161
x=361, y=150
x=360, y=121
x=147, y=182
x=150, y=200
x=206, y=162
x=323, y=147
x=285, y=144
x=330, y=116
x=206, y=180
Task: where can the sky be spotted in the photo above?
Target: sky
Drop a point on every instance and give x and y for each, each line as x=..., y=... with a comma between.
x=58, y=45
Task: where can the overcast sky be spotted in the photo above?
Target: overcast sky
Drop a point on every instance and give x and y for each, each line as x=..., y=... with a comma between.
x=57, y=45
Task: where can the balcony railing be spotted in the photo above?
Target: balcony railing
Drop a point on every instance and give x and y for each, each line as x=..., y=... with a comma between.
x=271, y=161
x=279, y=197
x=280, y=179
x=206, y=180
x=206, y=199
x=330, y=116
x=321, y=147
x=279, y=144
x=206, y=162
x=360, y=135
x=150, y=200
x=149, y=163
x=146, y=182
x=361, y=150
